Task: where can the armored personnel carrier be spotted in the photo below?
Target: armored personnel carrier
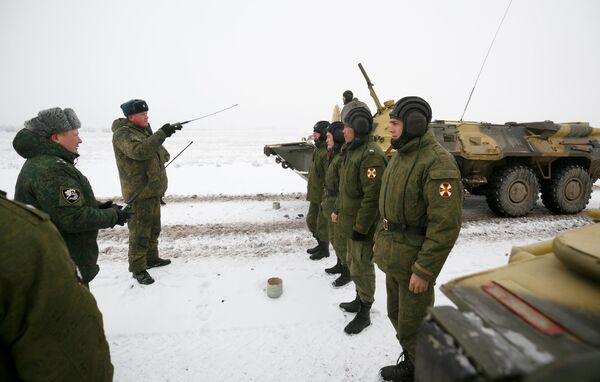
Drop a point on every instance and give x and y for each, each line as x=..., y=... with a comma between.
x=535, y=319
x=511, y=163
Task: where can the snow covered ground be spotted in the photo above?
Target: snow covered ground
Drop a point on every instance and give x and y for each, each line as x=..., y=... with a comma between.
x=207, y=317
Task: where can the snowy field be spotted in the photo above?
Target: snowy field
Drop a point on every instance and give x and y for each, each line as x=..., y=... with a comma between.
x=207, y=317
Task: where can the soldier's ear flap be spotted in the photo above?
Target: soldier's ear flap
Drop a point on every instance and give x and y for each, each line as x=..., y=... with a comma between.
x=415, y=123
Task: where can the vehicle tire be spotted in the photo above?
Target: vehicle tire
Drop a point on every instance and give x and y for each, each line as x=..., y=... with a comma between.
x=513, y=191
x=568, y=191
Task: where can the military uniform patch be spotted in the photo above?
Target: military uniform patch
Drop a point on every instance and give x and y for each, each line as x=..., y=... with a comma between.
x=371, y=173
x=445, y=190
x=70, y=195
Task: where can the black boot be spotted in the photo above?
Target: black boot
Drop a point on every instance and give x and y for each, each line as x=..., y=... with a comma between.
x=344, y=278
x=337, y=268
x=314, y=249
x=403, y=370
x=322, y=252
x=361, y=320
x=158, y=262
x=352, y=306
x=143, y=277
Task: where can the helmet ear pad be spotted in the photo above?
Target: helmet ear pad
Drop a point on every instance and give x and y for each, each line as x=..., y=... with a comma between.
x=415, y=123
x=361, y=125
x=360, y=120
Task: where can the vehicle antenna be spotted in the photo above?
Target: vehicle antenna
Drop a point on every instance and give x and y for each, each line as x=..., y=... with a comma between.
x=485, y=59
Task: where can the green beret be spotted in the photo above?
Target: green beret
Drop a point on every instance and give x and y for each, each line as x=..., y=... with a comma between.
x=134, y=106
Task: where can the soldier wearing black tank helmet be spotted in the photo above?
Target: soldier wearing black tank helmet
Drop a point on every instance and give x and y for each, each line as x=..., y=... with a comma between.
x=421, y=207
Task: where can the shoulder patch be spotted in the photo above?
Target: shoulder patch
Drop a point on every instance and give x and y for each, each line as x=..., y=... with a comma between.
x=70, y=195
x=445, y=190
x=371, y=173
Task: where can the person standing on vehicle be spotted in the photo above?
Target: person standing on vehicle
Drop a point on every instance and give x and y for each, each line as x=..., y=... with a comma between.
x=51, y=328
x=50, y=182
x=316, y=222
x=356, y=211
x=421, y=207
x=350, y=102
x=335, y=140
x=141, y=162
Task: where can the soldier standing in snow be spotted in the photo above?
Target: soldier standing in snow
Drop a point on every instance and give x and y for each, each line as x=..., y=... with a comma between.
x=356, y=211
x=141, y=162
x=315, y=220
x=49, y=181
x=335, y=140
x=421, y=206
x=51, y=328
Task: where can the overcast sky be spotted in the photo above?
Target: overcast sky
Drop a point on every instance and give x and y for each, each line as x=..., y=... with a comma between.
x=287, y=63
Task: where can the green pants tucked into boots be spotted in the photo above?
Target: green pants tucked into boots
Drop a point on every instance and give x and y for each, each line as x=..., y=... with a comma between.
x=144, y=228
x=360, y=262
x=406, y=310
x=338, y=242
x=316, y=222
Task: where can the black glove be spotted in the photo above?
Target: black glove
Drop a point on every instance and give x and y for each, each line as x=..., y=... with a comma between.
x=357, y=236
x=106, y=205
x=169, y=129
x=123, y=214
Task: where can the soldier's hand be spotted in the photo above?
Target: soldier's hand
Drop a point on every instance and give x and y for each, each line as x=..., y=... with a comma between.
x=334, y=217
x=417, y=285
x=106, y=205
x=123, y=214
x=169, y=129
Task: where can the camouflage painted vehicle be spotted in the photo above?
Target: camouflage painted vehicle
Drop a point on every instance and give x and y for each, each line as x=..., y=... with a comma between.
x=511, y=163
x=535, y=319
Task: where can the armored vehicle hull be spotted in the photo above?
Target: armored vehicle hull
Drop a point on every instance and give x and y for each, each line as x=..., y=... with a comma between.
x=536, y=319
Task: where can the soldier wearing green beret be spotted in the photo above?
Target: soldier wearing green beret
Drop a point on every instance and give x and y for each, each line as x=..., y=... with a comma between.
x=335, y=157
x=421, y=207
x=141, y=160
x=50, y=326
x=315, y=220
x=50, y=181
x=356, y=213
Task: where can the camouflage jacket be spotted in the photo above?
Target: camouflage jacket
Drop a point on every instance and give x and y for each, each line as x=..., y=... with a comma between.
x=421, y=188
x=49, y=181
x=316, y=173
x=51, y=328
x=140, y=159
x=332, y=183
x=360, y=181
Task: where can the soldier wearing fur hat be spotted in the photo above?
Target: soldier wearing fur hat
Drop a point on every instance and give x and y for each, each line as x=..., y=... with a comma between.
x=335, y=141
x=50, y=181
x=316, y=222
x=141, y=160
x=421, y=207
x=356, y=213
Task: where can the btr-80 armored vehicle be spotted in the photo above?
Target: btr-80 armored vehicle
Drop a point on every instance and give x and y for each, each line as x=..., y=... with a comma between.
x=536, y=319
x=509, y=163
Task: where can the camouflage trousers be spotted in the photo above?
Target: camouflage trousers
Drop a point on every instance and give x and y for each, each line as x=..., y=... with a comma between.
x=338, y=242
x=407, y=310
x=362, y=270
x=316, y=222
x=144, y=228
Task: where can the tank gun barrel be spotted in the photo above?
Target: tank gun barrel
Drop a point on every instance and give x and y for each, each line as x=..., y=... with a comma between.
x=380, y=108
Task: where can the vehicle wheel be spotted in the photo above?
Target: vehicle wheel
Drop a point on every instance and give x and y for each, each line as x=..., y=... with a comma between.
x=568, y=191
x=513, y=191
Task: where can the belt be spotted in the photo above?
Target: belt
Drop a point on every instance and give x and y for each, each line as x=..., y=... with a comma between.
x=396, y=227
x=332, y=193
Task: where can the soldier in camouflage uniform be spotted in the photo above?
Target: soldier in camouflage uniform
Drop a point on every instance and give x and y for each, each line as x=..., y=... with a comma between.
x=421, y=208
x=141, y=162
x=50, y=326
x=316, y=222
x=50, y=181
x=356, y=211
x=335, y=140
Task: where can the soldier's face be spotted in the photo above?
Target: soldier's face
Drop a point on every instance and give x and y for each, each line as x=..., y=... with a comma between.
x=69, y=140
x=396, y=128
x=316, y=136
x=330, y=142
x=139, y=119
x=348, y=133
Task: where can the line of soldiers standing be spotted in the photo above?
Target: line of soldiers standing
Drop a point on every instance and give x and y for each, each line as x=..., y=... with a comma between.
x=50, y=327
x=404, y=215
